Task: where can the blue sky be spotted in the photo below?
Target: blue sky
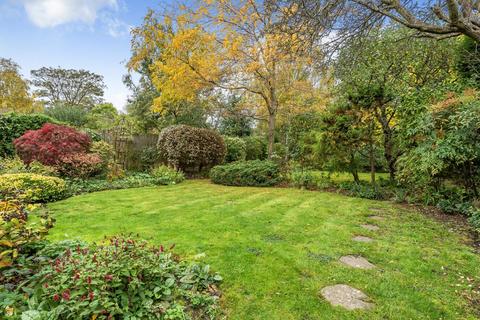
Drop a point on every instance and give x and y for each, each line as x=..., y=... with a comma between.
x=88, y=34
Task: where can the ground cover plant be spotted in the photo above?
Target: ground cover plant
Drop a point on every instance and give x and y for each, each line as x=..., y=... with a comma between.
x=277, y=247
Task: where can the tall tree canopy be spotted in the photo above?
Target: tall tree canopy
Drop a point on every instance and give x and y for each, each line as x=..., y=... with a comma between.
x=377, y=72
x=14, y=94
x=68, y=86
x=227, y=45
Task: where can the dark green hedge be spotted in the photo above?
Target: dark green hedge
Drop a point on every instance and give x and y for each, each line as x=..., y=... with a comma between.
x=13, y=125
x=246, y=173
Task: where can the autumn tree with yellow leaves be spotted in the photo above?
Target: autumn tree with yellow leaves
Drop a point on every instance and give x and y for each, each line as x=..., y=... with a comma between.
x=14, y=94
x=224, y=45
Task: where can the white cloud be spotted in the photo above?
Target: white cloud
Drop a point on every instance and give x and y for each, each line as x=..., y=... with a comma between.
x=114, y=26
x=51, y=13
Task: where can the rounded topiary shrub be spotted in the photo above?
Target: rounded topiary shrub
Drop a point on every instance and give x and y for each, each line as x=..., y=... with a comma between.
x=236, y=149
x=191, y=149
x=31, y=187
x=246, y=173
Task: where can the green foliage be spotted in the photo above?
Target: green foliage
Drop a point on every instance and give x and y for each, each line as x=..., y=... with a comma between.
x=256, y=148
x=132, y=180
x=125, y=278
x=101, y=116
x=191, y=149
x=30, y=187
x=13, y=125
x=236, y=149
x=104, y=149
x=81, y=165
x=304, y=179
x=165, y=175
x=468, y=61
x=246, y=173
x=16, y=165
x=70, y=114
x=149, y=157
x=234, y=122
x=363, y=190
x=16, y=231
x=446, y=143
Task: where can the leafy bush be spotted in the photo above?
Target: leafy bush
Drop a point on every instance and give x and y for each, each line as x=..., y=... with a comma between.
x=165, y=175
x=31, y=187
x=124, y=279
x=256, y=148
x=16, y=165
x=12, y=209
x=236, y=149
x=104, y=149
x=16, y=232
x=246, y=173
x=190, y=149
x=302, y=179
x=363, y=190
x=50, y=143
x=13, y=125
x=69, y=114
x=149, y=157
x=133, y=180
x=80, y=165
x=474, y=219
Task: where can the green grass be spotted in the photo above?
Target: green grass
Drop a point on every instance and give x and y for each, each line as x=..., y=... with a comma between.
x=346, y=176
x=276, y=248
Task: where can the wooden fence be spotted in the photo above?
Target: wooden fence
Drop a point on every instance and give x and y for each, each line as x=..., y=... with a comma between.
x=128, y=148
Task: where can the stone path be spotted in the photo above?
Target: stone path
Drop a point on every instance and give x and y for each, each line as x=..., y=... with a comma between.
x=362, y=239
x=356, y=262
x=343, y=295
x=370, y=227
x=346, y=296
x=378, y=218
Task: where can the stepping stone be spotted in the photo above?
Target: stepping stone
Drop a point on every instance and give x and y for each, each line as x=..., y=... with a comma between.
x=378, y=218
x=370, y=227
x=356, y=262
x=362, y=239
x=346, y=297
x=379, y=210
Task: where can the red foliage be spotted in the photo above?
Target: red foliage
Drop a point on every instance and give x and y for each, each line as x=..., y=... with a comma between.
x=50, y=143
x=80, y=165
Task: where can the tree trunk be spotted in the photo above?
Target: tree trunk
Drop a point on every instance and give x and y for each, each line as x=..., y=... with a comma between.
x=388, y=142
x=353, y=169
x=271, y=133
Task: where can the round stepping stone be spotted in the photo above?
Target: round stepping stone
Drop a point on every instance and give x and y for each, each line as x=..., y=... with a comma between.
x=378, y=218
x=346, y=297
x=370, y=227
x=362, y=239
x=356, y=262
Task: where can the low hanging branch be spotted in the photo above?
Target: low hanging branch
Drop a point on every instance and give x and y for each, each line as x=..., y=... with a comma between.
x=445, y=19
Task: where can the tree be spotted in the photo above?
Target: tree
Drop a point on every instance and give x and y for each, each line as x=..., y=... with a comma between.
x=229, y=45
x=14, y=91
x=68, y=86
x=445, y=19
x=72, y=115
x=102, y=116
x=378, y=71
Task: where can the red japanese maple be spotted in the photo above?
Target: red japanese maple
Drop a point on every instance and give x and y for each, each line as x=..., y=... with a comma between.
x=51, y=143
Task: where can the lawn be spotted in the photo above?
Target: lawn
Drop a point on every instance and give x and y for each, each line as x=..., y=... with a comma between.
x=276, y=248
x=346, y=176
